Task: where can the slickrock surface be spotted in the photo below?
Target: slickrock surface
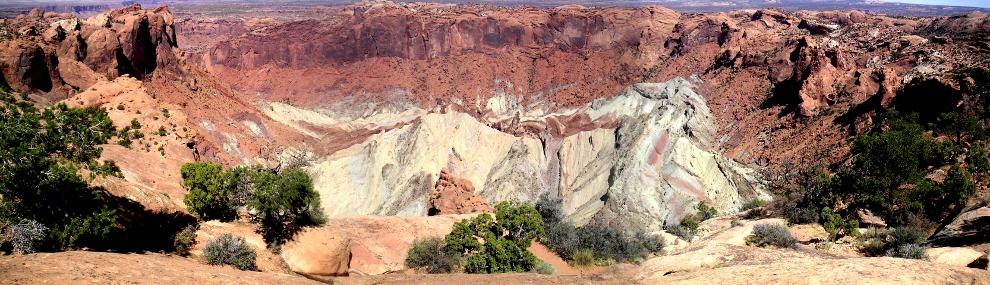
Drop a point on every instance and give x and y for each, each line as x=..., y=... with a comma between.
x=361, y=245
x=82, y=267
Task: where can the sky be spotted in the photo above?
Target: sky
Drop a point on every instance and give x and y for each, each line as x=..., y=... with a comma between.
x=969, y=3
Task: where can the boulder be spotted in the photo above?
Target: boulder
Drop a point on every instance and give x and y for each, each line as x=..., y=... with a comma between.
x=867, y=218
x=970, y=227
x=957, y=256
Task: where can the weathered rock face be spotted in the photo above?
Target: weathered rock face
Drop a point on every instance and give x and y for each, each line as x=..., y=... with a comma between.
x=453, y=195
x=755, y=65
x=633, y=161
x=71, y=55
x=970, y=227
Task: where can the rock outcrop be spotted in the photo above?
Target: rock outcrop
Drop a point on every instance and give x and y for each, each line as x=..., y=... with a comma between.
x=71, y=54
x=782, y=86
x=453, y=195
x=970, y=227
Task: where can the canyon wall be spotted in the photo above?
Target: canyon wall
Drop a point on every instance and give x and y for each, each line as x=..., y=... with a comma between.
x=650, y=163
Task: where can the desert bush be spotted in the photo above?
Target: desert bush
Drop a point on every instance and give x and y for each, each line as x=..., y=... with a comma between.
x=977, y=158
x=432, y=255
x=680, y=231
x=23, y=236
x=909, y=251
x=544, y=268
x=606, y=243
x=651, y=242
x=771, y=235
x=184, y=240
x=583, y=257
x=755, y=209
x=880, y=242
x=228, y=249
x=705, y=212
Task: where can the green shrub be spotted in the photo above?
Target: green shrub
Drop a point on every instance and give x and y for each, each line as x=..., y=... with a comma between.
x=755, y=209
x=284, y=202
x=584, y=257
x=876, y=242
x=161, y=131
x=705, y=212
x=651, y=242
x=432, y=255
x=544, y=268
x=608, y=244
x=165, y=113
x=835, y=224
x=771, y=235
x=184, y=240
x=679, y=231
x=503, y=240
x=977, y=159
x=228, y=249
x=210, y=190
x=753, y=204
x=135, y=124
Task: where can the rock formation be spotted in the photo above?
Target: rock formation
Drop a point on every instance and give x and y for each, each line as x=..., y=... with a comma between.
x=970, y=227
x=453, y=195
x=645, y=160
x=58, y=55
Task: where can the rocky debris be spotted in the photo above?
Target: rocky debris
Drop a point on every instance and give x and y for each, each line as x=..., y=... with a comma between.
x=970, y=227
x=648, y=152
x=86, y=267
x=817, y=27
x=361, y=245
x=453, y=195
x=956, y=256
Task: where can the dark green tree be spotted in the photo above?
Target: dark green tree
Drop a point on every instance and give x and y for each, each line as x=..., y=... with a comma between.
x=504, y=240
x=41, y=152
x=210, y=190
x=284, y=202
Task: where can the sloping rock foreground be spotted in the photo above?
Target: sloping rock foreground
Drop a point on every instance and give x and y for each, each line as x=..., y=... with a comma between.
x=732, y=264
x=82, y=267
x=361, y=245
x=633, y=161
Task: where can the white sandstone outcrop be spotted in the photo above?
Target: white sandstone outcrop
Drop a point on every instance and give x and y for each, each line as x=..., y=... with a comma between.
x=649, y=161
